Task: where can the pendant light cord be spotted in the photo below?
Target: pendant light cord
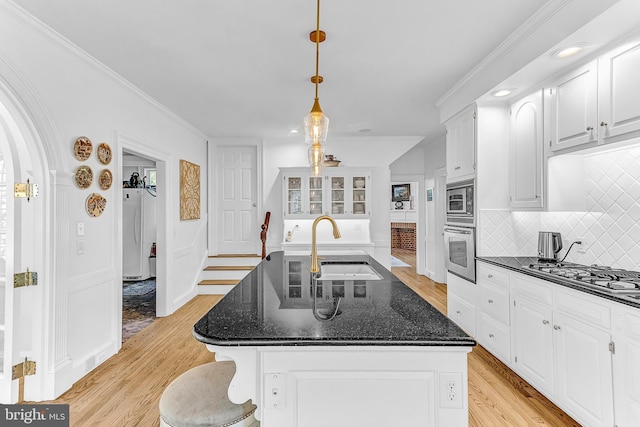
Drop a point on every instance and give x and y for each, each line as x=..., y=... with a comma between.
x=317, y=44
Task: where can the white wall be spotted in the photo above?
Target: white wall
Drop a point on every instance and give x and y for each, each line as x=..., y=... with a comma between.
x=74, y=95
x=374, y=153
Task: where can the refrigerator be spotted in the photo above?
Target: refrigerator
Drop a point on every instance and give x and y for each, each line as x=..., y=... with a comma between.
x=138, y=233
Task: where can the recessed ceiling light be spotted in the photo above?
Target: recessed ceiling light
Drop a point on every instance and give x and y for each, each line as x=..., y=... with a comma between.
x=501, y=92
x=567, y=51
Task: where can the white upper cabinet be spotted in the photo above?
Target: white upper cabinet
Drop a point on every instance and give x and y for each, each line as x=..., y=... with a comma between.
x=619, y=87
x=526, y=160
x=596, y=103
x=573, y=108
x=339, y=193
x=461, y=145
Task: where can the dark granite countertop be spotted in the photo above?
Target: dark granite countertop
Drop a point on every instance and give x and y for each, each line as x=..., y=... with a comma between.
x=518, y=264
x=273, y=305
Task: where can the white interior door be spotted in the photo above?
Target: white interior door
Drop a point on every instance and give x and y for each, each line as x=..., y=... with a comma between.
x=238, y=230
x=19, y=307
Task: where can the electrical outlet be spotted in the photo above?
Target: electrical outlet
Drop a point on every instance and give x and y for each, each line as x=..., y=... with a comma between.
x=451, y=390
x=582, y=247
x=275, y=390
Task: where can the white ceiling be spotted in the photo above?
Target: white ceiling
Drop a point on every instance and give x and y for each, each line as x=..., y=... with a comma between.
x=242, y=67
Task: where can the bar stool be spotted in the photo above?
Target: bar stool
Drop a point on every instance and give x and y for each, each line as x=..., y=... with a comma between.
x=198, y=398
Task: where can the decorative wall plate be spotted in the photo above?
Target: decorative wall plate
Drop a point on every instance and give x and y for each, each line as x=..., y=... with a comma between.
x=82, y=148
x=84, y=176
x=104, y=153
x=96, y=204
x=105, y=179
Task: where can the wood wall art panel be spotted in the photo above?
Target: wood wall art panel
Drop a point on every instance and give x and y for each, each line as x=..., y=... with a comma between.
x=189, y=190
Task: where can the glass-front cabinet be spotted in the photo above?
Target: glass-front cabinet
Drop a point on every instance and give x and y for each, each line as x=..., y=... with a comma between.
x=340, y=192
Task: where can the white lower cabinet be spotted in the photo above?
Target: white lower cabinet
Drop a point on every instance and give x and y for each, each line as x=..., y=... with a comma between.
x=626, y=365
x=559, y=340
x=494, y=311
x=533, y=341
x=461, y=296
x=583, y=370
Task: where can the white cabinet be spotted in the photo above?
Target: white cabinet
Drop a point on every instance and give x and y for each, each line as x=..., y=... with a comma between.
x=561, y=346
x=342, y=194
x=526, y=165
x=303, y=195
x=349, y=194
x=461, y=145
x=626, y=369
x=619, y=91
x=494, y=311
x=401, y=215
x=573, y=108
x=461, y=302
x=583, y=370
x=533, y=336
x=596, y=103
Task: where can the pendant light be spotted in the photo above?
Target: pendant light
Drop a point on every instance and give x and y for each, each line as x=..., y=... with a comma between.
x=316, y=123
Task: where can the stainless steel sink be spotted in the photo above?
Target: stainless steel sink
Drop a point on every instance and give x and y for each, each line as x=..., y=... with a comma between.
x=348, y=271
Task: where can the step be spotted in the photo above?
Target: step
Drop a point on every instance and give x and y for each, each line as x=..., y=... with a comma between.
x=216, y=287
x=229, y=267
x=229, y=260
x=231, y=282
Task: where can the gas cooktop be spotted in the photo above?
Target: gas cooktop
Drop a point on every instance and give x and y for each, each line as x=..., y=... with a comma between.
x=599, y=278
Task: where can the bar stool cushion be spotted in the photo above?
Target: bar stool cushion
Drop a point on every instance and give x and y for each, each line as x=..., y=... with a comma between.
x=199, y=398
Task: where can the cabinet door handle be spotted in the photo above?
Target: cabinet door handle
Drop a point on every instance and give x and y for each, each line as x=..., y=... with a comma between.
x=490, y=301
x=490, y=335
x=545, y=322
x=556, y=327
x=457, y=311
x=456, y=168
x=589, y=128
x=603, y=123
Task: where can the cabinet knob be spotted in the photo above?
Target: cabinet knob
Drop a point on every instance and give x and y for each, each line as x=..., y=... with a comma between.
x=589, y=128
x=545, y=322
x=490, y=335
x=603, y=124
x=490, y=301
x=457, y=311
x=490, y=276
x=556, y=327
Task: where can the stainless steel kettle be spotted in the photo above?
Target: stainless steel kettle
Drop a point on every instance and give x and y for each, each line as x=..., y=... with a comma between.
x=549, y=244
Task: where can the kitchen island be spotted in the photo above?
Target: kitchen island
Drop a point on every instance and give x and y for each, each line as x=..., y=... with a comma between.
x=366, y=351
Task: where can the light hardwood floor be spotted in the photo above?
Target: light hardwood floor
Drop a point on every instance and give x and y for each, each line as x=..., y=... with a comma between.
x=125, y=390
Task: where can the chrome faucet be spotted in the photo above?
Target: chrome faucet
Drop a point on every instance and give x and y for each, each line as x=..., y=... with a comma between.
x=314, y=250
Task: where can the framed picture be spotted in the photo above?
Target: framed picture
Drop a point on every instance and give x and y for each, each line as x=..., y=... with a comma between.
x=189, y=190
x=401, y=192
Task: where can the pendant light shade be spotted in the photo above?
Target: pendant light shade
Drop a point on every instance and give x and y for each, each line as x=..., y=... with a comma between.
x=316, y=125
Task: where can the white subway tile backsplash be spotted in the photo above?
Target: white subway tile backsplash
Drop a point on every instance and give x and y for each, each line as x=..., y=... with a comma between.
x=610, y=227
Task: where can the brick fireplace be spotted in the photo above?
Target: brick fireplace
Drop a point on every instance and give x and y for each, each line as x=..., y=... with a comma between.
x=403, y=235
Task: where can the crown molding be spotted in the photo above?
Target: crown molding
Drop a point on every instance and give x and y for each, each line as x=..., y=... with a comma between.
x=553, y=22
x=11, y=9
x=535, y=22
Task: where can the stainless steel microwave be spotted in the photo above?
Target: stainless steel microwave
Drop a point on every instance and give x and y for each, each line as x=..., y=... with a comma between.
x=460, y=202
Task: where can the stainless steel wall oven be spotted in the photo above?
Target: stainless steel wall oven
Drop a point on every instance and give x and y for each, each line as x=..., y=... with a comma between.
x=460, y=231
